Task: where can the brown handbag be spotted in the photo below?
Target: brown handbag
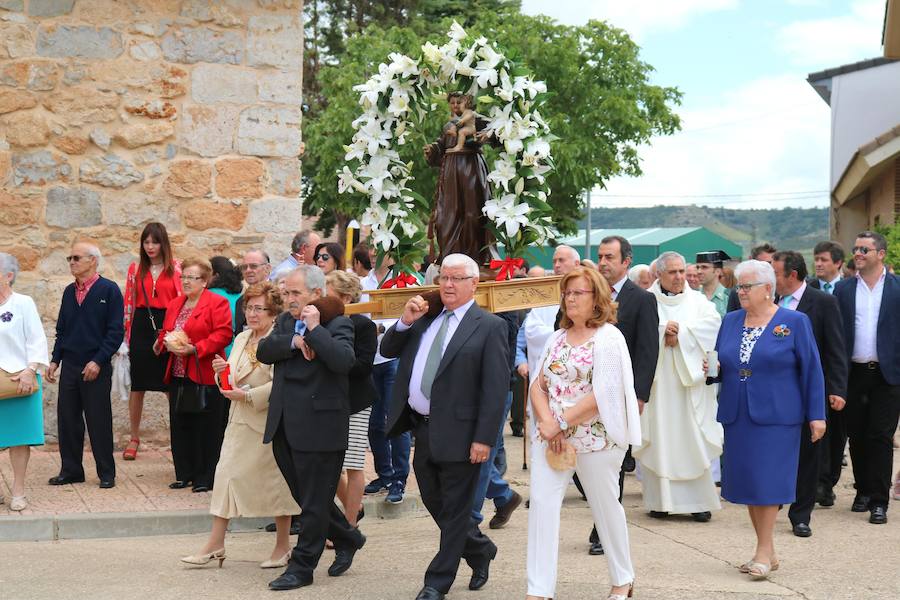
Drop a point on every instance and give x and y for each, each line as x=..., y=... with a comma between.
x=8, y=387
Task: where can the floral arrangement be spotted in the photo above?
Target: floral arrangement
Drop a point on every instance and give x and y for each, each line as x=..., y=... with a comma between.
x=398, y=98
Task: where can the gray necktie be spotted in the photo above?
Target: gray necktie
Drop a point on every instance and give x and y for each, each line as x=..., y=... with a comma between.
x=434, y=357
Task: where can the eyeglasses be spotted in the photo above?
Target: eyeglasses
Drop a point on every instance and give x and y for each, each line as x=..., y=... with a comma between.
x=323, y=256
x=454, y=280
x=746, y=287
x=76, y=258
x=190, y=278
x=255, y=309
x=863, y=250
x=576, y=294
x=252, y=266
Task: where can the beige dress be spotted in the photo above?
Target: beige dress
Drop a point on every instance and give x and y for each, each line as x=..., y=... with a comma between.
x=248, y=482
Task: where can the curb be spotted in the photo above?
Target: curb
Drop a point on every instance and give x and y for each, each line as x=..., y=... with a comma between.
x=116, y=525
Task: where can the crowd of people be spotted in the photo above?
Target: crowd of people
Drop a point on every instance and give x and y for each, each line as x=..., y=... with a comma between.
x=749, y=376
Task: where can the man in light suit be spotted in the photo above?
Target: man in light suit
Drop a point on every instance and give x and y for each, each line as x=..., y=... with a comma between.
x=825, y=317
x=450, y=391
x=309, y=422
x=870, y=303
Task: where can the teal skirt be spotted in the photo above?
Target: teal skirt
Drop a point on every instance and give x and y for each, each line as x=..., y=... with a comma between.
x=22, y=419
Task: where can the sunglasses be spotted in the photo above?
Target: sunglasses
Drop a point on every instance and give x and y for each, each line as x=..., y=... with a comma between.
x=862, y=250
x=323, y=256
x=76, y=258
x=252, y=266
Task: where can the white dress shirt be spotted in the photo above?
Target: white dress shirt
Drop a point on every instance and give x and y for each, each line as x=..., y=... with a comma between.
x=22, y=338
x=617, y=287
x=868, y=305
x=417, y=400
x=795, y=298
x=832, y=283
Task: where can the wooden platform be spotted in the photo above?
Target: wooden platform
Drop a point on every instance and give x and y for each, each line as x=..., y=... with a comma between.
x=493, y=296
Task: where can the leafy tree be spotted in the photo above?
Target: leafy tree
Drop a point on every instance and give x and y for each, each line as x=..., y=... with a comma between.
x=602, y=106
x=892, y=234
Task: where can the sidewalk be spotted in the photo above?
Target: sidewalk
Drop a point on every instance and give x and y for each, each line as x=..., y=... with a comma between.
x=140, y=504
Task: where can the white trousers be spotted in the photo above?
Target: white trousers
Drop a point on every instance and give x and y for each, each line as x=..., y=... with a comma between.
x=599, y=475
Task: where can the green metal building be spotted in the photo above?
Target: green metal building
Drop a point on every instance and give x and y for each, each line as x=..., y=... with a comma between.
x=647, y=244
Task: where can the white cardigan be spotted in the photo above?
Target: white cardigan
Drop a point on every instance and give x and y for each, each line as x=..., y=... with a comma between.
x=22, y=338
x=613, y=383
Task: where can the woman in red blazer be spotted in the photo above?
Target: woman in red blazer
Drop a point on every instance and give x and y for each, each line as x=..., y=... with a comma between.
x=205, y=318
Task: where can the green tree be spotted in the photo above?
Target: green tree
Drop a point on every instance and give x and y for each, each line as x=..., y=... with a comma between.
x=602, y=105
x=892, y=234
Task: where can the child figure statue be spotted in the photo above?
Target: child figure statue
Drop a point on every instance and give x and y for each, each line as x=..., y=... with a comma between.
x=462, y=120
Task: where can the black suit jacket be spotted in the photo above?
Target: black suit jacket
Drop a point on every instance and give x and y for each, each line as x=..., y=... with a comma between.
x=888, y=329
x=310, y=396
x=638, y=321
x=240, y=319
x=734, y=301
x=365, y=343
x=825, y=317
x=469, y=390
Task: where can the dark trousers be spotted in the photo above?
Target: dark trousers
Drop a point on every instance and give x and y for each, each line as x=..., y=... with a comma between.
x=391, y=455
x=807, y=478
x=871, y=414
x=197, y=439
x=831, y=450
x=447, y=490
x=83, y=401
x=517, y=410
x=312, y=478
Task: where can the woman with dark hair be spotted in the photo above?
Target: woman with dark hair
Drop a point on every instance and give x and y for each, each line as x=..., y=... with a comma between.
x=329, y=256
x=226, y=282
x=152, y=282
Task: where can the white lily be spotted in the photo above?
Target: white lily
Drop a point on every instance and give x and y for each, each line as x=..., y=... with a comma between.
x=402, y=65
x=526, y=87
x=356, y=150
x=431, y=53
x=504, y=91
x=375, y=173
x=375, y=136
x=399, y=105
x=409, y=229
x=505, y=213
x=457, y=32
x=346, y=180
x=504, y=171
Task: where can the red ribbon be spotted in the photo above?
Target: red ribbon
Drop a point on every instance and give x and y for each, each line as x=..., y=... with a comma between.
x=400, y=281
x=507, y=267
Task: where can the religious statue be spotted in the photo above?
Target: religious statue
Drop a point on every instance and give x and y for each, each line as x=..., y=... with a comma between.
x=457, y=220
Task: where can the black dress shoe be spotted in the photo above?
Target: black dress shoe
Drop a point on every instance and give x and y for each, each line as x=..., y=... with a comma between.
x=802, y=530
x=860, y=503
x=878, y=516
x=596, y=549
x=199, y=487
x=628, y=465
x=518, y=431
x=501, y=517
x=480, y=576
x=65, y=480
x=109, y=483
x=702, y=517
x=343, y=558
x=825, y=498
x=179, y=485
x=429, y=593
x=290, y=581
x=658, y=514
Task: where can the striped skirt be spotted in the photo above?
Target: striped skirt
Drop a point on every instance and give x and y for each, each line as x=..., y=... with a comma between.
x=355, y=457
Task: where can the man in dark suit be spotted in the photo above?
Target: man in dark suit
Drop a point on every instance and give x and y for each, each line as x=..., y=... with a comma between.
x=825, y=317
x=829, y=259
x=309, y=421
x=870, y=303
x=450, y=390
x=639, y=324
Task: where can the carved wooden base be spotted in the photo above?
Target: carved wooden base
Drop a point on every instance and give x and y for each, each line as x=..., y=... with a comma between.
x=493, y=296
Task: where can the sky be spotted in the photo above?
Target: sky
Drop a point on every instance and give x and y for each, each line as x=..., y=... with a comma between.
x=754, y=133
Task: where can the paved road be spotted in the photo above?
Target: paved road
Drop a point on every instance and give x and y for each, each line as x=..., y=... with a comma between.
x=675, y=558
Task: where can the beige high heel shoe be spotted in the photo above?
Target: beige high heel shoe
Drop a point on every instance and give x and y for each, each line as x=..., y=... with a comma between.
x=275, y=564
x=18, y=503
x=623, y=596
x=202, y=559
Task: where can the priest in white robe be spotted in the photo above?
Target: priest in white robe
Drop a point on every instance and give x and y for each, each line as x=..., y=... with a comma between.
x=680, y=434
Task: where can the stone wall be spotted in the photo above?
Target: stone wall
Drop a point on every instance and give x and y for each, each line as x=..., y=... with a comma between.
x=114, y=113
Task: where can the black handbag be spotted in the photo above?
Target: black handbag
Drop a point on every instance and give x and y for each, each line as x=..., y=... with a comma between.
x=192, y=397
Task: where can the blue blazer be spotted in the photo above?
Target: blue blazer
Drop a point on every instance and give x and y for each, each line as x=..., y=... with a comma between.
x=887, y=342
x=786, y=386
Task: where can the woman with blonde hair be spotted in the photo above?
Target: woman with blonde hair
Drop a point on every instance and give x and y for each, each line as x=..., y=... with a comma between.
x=248, y=482
x=585, y=414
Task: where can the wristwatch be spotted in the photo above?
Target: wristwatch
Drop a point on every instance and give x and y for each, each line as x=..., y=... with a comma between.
x=562, y=422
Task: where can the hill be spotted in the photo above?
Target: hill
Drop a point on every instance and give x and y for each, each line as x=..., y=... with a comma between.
x=786, y=228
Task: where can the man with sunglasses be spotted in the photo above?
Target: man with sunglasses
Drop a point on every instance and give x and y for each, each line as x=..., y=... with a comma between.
x=255, y=268
x=89, y=330
x=869, y=303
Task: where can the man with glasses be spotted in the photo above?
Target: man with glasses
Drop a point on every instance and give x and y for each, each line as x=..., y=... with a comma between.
x=89, y=330
x=870, y=303
x=450, y=391
x=256, y=268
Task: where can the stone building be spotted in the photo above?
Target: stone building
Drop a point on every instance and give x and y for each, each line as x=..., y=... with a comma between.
x=114, y=113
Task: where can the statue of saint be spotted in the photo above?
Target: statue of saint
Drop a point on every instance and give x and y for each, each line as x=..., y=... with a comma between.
x=457, y=221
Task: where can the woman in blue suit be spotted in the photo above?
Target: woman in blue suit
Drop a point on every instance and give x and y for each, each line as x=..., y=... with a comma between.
x=772, y=384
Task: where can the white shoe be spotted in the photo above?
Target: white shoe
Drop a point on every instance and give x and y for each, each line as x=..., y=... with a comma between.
x=18, y=503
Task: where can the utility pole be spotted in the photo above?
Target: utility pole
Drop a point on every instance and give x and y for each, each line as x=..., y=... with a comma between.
x=587, y=231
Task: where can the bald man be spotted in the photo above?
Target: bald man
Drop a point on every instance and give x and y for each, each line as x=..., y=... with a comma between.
x=89, y=330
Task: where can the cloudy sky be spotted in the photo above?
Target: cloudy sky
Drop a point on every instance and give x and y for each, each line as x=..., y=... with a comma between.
x=754, y=133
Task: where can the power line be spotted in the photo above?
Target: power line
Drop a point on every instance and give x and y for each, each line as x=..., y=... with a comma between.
x=744, y=195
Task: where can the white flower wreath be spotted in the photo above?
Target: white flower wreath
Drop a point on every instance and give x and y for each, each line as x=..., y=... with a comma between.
x=398, y=98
